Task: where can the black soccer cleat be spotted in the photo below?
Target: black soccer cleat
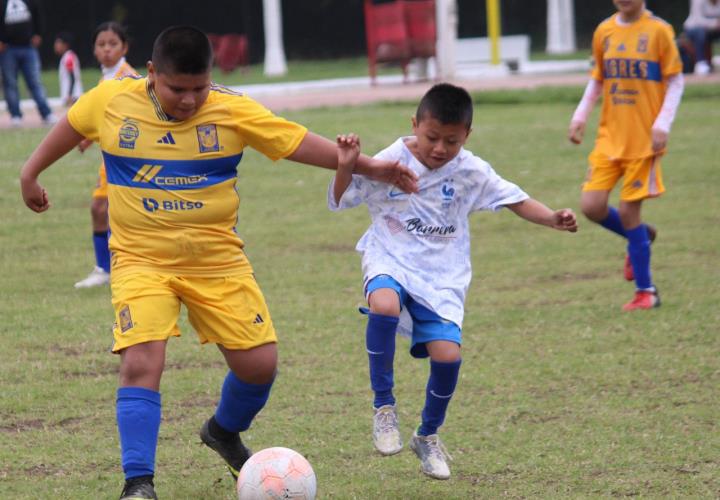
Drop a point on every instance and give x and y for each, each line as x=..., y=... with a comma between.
x=233, y=451
x=139, y=488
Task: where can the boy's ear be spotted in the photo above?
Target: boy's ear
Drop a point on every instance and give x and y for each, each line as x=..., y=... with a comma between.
x=413, y=119
x=151, y=70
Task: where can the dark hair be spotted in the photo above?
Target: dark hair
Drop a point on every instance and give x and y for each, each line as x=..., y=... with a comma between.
x=182, y=49
x=446, y=103
x=113, y=26
x=66, y=37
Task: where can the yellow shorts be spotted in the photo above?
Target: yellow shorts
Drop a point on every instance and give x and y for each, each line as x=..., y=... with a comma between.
x=230, y=311
x=642, y=177
x=101, y=186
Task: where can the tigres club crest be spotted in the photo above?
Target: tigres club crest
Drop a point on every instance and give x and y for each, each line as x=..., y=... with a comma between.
x=208, y=138
x=128, y=134
x=642, y=45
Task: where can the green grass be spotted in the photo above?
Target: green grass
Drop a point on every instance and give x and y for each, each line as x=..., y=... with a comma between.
x=561, y=395
x=298, y=70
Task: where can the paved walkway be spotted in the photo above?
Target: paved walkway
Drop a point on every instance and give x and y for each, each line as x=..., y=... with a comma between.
x=357, y=91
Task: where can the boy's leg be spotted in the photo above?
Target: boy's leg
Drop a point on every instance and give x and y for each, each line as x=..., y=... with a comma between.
x=380, y=345
x=9, y=67
x=646, y=296
x=138, y=415
x=30, y=67
x=100, y=274
x=245, y=392
x=444, y=369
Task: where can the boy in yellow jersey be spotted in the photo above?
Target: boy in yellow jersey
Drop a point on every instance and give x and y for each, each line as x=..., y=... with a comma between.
x=639, y=72
x=171, y=143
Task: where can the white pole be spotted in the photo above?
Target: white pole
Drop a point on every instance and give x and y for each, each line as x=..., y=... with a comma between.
x=560, y=27
x=446, y=24
x=275, y=64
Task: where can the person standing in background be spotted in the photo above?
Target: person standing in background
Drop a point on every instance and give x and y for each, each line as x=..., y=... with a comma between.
x=20, y=28
x=69, y=69
x=702, y=26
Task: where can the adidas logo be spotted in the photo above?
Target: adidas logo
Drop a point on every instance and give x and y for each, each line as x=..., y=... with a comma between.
x=166, y=139
x=258, y=320
x=621, y=48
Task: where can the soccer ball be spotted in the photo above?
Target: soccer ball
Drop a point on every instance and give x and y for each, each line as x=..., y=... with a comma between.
x=275, y=473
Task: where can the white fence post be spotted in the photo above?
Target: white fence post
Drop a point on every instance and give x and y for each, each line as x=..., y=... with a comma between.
x=275, y=64
x=560, y=27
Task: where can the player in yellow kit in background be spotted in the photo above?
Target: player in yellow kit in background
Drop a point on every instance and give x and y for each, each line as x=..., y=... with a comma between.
x=110, y=45
x=639, y=73
x=171, y=143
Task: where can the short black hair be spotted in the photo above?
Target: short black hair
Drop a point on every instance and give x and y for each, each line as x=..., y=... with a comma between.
x=113, y=26
x=66, y=37
x=446, y=103
x=182, y=50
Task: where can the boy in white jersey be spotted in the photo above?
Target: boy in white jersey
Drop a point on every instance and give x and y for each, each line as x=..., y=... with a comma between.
x=416, y=256
x=171, y=144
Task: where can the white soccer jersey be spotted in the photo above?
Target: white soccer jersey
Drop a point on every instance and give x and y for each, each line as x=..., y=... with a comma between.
x=422, y=240
x=69, y=73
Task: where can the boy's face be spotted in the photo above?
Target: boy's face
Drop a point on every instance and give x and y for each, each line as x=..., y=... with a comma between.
x=438, y=143
x=60, y=47
x=181, y=95
x=629, y=8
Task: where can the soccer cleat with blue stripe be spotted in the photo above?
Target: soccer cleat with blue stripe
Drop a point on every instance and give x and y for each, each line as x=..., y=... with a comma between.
x=233, y=451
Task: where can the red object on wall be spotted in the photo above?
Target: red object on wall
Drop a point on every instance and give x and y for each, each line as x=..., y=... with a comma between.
x=399, y=31
x=230, y=50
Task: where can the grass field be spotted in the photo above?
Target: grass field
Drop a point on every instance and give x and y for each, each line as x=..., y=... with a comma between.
x=561, y=395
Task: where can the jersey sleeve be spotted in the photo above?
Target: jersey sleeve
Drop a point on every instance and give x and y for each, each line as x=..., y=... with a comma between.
x=597, y=55
x=86, y=115
x=491, y=192
x=273, y=136
x=670, y=62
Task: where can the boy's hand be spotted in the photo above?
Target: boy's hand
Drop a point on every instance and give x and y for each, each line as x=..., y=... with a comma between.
x=84, y=145
x=659, y=139
x=348, y=150
x=34, y=195
x=392, y=172
x=565, y=220
x=576, y=132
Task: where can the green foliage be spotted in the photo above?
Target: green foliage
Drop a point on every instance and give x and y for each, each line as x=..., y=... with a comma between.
x=561, y=395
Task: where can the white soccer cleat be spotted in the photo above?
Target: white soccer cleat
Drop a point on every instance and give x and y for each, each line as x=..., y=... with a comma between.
x=97, y=277
x=386, y=433
x=432, y=454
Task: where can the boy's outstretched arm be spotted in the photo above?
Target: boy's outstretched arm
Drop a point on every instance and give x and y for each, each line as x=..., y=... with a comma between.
x=576, y=130
x=321, y=152
x=61, y=139
x=534, y=211
x=348, y=150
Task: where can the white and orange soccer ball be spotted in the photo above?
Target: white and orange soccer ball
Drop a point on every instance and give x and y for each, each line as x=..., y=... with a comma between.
x=276, y=473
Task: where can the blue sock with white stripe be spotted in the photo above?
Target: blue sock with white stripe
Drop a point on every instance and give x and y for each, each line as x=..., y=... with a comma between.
x=639, y=251
x=439, y=391
x=613, y=223
x=102, y=252
x=138, y=413
x=380, y=345
x=240, y=402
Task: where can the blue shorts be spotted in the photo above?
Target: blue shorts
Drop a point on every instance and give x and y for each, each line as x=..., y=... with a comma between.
x=427, y=325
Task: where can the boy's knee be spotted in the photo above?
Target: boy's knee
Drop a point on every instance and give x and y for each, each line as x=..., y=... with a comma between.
x=384, y=301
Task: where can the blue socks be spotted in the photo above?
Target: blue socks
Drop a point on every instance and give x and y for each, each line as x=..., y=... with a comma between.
x=639, y=251
x=102, y=252
x=613, y=223
x=439, y=391
x=380, y=345
x=239, y=403
x=138, y=414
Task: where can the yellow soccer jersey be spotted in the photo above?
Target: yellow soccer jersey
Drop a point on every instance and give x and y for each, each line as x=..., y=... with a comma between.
x=632, y=61
x=171, y=184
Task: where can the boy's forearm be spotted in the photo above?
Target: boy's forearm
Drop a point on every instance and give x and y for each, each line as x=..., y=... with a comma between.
x=321, y=152
x=533, y=211
x=343, y=178
x=61, y=139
